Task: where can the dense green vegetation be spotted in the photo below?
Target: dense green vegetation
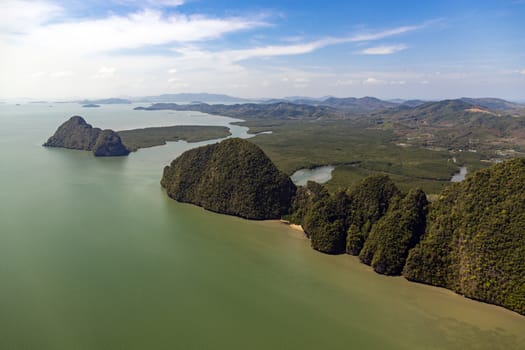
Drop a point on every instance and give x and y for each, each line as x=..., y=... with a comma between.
x=363, y=104
x=326, y=223
x=412, y=142
x=357, y=152
x=304, y=200
x=471, y=241
x=369, y=202
x=232, y=177
x=456, y=124
x=373, y=214
x=149, y=137
x=390, y=240
x=475, y=241
x=76, y=133
x=279, y=110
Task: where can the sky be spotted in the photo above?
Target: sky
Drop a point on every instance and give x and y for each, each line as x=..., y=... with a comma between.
x=254, y=49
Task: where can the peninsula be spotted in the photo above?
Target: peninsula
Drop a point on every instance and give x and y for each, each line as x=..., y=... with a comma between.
x=76, y=133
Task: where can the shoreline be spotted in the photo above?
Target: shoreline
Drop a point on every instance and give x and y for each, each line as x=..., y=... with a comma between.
x=292, y=226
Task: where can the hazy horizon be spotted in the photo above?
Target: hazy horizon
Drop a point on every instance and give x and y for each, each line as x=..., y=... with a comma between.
x=261, y=98
x=56, y=49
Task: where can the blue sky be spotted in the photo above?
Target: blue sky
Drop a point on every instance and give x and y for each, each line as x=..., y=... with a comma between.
x=388, y=49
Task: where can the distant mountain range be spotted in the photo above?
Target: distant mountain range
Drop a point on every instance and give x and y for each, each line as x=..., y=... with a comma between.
x=496, y=104
x=278, y=110
x=460, y=123
x=348, y=104
x=191, y=98
x=463, y=123
x=105, y=101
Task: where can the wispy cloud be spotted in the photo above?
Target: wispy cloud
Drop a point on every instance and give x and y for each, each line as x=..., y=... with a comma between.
x=384, y=49
x=61, y=74
x=387, y=33
x=105, y=73
x=306, y=47
x=18, y=16
x=152, y=3
x=30, y=24
x=374, y=81
x=130, y=52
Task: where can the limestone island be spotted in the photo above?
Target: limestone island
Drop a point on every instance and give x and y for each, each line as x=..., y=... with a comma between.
x=76, y=133
x=232, y=177
x=91, y=105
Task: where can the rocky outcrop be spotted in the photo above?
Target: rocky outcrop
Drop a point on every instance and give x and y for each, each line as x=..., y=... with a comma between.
x=76, y=133
x=109, y=144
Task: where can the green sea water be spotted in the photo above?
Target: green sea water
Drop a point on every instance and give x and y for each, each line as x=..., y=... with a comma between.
x=94, y=255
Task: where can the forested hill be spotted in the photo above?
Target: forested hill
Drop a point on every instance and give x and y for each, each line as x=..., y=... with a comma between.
x=475, y=242
x=280, y=110
x=232, y=177
x=471, y=240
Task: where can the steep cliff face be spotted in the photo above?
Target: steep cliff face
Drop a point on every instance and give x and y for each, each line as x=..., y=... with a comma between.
x=109, y=144
x=391, y=238
x=76, y=133
x=326, y=223
x=475, y=242
x=369, y=200
x=232, y=177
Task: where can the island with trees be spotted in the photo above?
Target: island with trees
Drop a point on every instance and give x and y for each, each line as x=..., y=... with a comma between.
x=77, y=134
x=232, y=177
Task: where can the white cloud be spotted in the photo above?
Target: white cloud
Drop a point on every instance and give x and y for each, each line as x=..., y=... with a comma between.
x=373, y=81
x=38, y=74
x=22, y=15
x=231, y=56
x=522, y=71
x=172, y=3
x=384, y=49
x=61, y=74
x=386, y=33
x=105, y=73
x=153, y=3
x=145, y=28
x=42, y=47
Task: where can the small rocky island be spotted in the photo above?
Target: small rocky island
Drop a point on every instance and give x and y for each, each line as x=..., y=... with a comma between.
x=76, y=133
x=233, y=177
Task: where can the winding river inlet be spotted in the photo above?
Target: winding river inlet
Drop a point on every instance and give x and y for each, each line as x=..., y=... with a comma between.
x=320, y=175
x=94, y=255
